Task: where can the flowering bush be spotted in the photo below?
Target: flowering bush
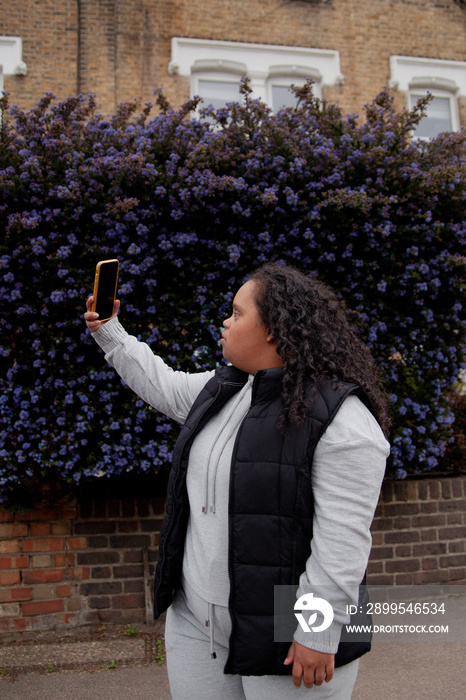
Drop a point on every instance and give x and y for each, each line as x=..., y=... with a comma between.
x=190, y=207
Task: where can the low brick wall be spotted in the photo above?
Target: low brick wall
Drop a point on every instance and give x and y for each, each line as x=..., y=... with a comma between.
x=77, y=564
x=419, y=533
x=82, y=562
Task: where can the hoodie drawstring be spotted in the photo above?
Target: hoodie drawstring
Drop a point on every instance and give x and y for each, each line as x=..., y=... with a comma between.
x=225, y=437
x=210, y=624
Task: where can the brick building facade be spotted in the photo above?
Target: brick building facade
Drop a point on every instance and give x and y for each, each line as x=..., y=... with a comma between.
x=120, y=50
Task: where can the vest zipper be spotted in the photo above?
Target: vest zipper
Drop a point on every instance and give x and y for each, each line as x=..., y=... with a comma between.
x=259, y=374
x=229, y=543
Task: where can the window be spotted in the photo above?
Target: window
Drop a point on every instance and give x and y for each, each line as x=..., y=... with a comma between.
x=444, y=80
x=439, y=116
x=11, y=62
x=282, y=96
x=217, y=81
x=281, y=78
x=218, y=93
x=215, y=69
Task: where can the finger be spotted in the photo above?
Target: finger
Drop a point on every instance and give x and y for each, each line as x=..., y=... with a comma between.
x=116, y=307
x=329, y=673
x=290, y=656
x=308, y=678
x=297, y=674
x=89, y=302
x=319, y=676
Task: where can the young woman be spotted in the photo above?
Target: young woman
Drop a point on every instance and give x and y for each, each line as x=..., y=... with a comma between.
x=275, y=479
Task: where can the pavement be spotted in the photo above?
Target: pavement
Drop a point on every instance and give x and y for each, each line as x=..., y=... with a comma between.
x=129, y=664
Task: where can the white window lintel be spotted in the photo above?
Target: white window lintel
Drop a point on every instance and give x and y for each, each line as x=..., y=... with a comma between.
x=293, y=70
x=433, y=82
x=220, y=66
x=407, y=72
x=257, y=58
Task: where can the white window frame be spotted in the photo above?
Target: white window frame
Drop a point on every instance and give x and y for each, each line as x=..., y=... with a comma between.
x=11, y=57
x=419, y=76
x=262, y=63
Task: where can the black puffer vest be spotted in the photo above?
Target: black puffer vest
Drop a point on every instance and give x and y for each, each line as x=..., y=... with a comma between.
x=270, y=512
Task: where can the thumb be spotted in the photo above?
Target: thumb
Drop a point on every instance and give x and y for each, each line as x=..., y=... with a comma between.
x=290, y=656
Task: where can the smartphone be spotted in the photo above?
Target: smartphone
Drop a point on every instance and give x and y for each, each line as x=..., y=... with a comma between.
x=105, y=287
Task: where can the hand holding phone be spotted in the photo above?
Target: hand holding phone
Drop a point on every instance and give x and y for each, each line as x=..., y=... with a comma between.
x=102, y=305
x=105, y=287
x=92, y=320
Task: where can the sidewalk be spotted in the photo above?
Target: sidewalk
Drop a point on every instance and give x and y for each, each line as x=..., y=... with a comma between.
x=111, y=665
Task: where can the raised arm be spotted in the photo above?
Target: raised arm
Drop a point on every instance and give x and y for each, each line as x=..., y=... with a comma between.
x=169, y=391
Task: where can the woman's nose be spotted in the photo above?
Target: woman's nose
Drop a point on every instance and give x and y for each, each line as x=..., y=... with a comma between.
x=226, y=321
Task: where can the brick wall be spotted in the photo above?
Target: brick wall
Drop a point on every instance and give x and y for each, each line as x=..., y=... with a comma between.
x=77, y=564
x=117, y=532
x=82, y=563
x=419, y=533
x=39, y=576
x=120, y=50
x=48, y=30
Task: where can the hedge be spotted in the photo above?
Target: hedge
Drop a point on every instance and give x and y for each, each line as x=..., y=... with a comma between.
x=190, y=201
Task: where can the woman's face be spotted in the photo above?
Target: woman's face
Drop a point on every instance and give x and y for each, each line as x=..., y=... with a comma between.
x=246, y=342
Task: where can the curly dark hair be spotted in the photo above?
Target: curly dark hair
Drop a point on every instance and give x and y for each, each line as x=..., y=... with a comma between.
x=316, y=339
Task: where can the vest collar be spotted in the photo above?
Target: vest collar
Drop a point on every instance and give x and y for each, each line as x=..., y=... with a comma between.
x=267, y=384
x=231, y=375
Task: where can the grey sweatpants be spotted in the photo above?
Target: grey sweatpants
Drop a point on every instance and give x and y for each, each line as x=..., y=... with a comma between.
x=194, y=674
